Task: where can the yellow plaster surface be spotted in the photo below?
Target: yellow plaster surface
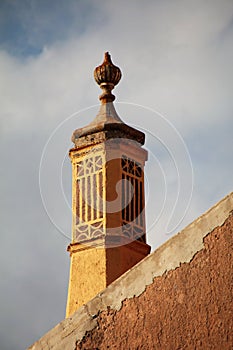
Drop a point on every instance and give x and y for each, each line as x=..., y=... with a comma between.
x=87, y=277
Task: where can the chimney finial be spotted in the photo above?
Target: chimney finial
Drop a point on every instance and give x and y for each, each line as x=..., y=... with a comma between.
x=107, y=77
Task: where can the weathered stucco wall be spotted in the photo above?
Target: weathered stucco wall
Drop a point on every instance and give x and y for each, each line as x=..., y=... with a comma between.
x=187, y=308
x=179, y=297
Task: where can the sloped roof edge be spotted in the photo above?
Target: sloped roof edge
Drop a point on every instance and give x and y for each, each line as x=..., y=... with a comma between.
x=181, y=248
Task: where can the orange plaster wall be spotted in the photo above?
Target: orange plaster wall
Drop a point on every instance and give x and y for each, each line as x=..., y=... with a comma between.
x=190, y=307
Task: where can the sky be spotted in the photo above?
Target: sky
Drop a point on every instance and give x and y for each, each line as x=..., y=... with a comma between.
x=176, y=61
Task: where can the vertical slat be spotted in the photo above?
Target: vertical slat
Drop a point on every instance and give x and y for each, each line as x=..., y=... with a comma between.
x=100, y=194
x=78, y=204
x=89, y=204
x=137, y=204
x=85, y=199
x=97, y=194
x=80, y=200
x=123, y=196
x=132, y=199
x=127, y=198
x=141, y=203
x=92, y=196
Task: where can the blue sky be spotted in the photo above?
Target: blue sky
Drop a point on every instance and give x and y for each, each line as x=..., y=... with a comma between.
x=176, y=59
x=28, y=26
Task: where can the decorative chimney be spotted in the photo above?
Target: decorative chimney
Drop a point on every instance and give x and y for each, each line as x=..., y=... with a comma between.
x=108, y=204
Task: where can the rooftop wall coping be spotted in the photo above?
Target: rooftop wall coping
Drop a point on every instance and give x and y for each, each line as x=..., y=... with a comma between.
x=181, y=248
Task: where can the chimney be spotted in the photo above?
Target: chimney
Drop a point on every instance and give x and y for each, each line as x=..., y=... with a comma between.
x=108, y=203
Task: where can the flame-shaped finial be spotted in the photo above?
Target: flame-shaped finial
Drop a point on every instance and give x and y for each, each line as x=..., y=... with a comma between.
x=107, y=77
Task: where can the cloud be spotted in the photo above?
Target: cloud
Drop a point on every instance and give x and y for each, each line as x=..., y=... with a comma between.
x=175, y=57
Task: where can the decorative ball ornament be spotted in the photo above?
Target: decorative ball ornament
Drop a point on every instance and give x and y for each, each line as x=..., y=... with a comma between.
x=107, y=77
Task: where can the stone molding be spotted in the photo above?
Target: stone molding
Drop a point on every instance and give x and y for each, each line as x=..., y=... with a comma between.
x=109, y=242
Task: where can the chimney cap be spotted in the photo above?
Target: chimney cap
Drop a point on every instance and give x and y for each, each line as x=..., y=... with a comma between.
x=107, y=121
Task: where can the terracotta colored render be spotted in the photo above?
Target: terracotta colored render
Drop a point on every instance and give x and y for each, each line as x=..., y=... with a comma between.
x=187, y=308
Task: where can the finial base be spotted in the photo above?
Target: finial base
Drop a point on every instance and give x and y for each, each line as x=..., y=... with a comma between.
x=107, y=95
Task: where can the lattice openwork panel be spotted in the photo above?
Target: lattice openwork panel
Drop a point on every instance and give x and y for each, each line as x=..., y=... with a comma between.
x=89, y=197
x=133, y=225
x=89, y=231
